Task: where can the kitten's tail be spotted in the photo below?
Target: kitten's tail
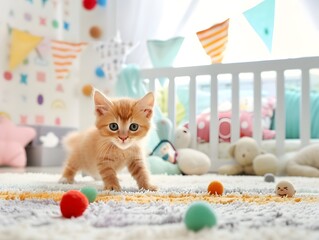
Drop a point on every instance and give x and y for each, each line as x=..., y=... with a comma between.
x=70, y=140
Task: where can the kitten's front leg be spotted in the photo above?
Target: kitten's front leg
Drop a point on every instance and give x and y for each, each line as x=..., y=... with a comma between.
x=70, y=170
x=108, y=175
x=140, y=173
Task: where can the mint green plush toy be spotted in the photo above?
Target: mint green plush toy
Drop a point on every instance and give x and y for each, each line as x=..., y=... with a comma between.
x=173, y=152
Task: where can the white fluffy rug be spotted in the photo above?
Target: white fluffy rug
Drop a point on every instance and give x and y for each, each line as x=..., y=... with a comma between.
x=29, y=209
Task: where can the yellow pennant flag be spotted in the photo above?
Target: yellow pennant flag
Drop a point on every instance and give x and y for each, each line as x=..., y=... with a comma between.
x=21, y=45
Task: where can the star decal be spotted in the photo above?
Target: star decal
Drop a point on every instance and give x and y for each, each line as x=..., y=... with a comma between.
x=24, y=79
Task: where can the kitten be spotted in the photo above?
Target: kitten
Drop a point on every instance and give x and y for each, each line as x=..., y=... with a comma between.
x=114, y=143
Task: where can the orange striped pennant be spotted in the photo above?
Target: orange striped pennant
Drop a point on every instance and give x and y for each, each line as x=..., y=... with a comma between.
x=64, y=54
x=214, y=40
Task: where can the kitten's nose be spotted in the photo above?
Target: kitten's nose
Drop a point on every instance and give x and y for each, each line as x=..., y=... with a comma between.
x=123, y=138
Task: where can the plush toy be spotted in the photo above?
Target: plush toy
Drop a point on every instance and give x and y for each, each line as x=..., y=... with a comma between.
x=305, y=162
x=249, y=159
x=13, y=140
x=174, y=149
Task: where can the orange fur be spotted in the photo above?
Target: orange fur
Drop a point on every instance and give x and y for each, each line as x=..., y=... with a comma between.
x=103, y=150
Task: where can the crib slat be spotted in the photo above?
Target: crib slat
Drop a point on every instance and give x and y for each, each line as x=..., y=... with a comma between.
x=257, y=131
x=172, y=102
x=192, y=110
x=280, y=114
x=213, y=133
x=305, y=108
x=235, y=125
x=151, y=85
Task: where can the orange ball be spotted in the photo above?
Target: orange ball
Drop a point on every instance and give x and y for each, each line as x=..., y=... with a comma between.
x=215, y=188
x=87, y=90
x=95, y=32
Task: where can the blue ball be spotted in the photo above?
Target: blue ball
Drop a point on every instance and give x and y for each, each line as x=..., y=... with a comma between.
x=99, y=72
x=102, y=3
x=200, y=215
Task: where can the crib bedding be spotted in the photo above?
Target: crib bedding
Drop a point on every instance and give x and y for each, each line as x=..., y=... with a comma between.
x=291, y=145
x=292, y=117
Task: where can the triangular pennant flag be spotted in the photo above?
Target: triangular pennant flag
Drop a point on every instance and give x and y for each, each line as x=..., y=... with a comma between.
x=214, y=40
x=163, y=53
x=21, y=45
x=261, y=18
x=64, y=55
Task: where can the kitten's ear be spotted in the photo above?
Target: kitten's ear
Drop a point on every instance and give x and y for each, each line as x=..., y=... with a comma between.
x=146, y=104
x=102, y=103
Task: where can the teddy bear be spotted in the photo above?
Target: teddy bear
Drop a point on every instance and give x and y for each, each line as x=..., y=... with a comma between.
x=249, y=159
x=173, y=155
x=305, y=162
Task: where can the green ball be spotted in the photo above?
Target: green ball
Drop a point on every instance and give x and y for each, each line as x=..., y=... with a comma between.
x=90, y=193
x=200, y=215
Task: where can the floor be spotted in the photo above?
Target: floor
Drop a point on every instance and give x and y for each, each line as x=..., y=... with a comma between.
x=53, y=170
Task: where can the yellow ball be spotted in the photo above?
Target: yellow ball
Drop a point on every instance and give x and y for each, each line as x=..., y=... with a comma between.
x=215, y=188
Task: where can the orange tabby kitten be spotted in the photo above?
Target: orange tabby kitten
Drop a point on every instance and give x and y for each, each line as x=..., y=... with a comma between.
x=116, y=142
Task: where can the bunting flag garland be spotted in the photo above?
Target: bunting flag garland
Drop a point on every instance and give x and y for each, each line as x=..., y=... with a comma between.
x=22, y=44
x=214, y=40
x=64, y=54
x=261, y=18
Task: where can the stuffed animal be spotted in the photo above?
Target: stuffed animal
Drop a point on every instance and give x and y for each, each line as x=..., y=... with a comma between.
x=13, y=140
x=174, y=149
x=305, y=162
x=249, y=159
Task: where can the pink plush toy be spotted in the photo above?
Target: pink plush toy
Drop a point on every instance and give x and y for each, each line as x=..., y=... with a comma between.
x=13, y=140
x=246, y=126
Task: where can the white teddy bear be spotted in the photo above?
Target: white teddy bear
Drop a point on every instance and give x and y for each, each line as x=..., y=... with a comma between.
x=305, y=162
x=190, y=161
x=249, y=159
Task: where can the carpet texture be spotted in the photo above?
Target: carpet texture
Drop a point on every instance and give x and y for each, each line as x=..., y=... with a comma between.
x=249, y=209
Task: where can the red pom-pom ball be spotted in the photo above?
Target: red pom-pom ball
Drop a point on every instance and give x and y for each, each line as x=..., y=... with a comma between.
x=73, y=204
x=89, y=4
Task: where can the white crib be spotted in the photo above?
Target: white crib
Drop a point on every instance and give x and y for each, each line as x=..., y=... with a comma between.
x=304, y=65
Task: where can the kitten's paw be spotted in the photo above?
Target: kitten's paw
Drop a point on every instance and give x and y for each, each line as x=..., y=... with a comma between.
x=65, y=180
x=150, y=188
x=114, y=187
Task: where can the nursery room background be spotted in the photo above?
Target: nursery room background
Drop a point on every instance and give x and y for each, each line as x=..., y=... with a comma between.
x=54, y=51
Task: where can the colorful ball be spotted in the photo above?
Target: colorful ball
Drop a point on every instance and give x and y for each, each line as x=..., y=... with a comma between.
x=90, y=193
x=99, y=72
x=215, y=188
x=89, y=4
x=200, y=215
x=95, y=32
x=102, y=3
x=87, y=90
x=73, y=204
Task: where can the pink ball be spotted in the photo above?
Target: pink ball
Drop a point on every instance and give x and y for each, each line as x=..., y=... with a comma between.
x=73, y=204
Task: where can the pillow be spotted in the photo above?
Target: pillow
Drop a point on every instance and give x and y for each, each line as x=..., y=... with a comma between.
x=13, y=140
x=246, y=121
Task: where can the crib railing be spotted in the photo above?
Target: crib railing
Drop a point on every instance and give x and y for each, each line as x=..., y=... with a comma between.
x=234, y=69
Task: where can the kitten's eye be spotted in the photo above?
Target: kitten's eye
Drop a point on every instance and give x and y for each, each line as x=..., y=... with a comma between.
x=113, y=126
x=134, y=127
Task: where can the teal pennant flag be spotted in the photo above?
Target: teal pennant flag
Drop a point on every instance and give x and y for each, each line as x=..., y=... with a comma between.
x=261, y=18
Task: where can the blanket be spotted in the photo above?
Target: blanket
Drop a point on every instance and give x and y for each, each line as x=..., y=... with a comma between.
x=248, y=208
